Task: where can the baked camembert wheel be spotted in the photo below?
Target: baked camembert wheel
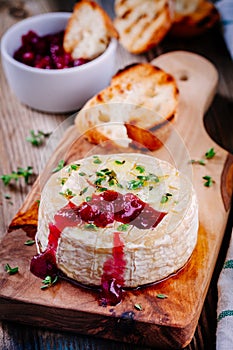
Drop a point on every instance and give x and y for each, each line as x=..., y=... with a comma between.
x=116, y=221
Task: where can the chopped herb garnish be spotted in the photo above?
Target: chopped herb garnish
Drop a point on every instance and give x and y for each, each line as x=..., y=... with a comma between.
x=210, y=153
x=48, y=282
x=161, y=296
x=29, y=242
x=96, y=160
x=150, y=177
x=91, y=227
x=151, y=188
x=68, y=193
x=119, y=162
x=111, y=174
x=37, y=139
x=140, y=168
x=7, y=196
x=88, y=199
x=100, y=173
x=165, y=197
x=84, y=190
x=99, y=181
x=73, y=167
x=102, y=189
x=112, y=182
x=81, y=173
x=143, y=177
x=104, y=170
x=11, y=270
x=15, y=175
x=38, y=202
x=138, y=307
x=63, y=180
x=135, y=184
x=153, y=177
x=200, y=161
x=123, y=227
x=209, y=181
x=59, y=166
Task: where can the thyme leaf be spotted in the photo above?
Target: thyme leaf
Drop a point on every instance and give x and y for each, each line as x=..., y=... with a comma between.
x=135, y=184
x=123, y=227
x=120, y=162
x=84, y=190
x=140, y=168
x=68, y=193
x=210, y=153
x=37, y=139
x=96, y=160
x=209, y=181
x=60, y=165
x=199, y=161
x=29, y=242
x=11, y=270
x=165, y=198
x=138, y=307
x=91, y=227
x=49, y=282
x=161, y=296
x=15, y=175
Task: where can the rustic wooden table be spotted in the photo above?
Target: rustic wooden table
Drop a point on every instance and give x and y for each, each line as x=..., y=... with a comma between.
x=16, y=120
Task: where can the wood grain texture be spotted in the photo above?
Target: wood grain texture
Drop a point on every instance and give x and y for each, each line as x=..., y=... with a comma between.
x=16, y=120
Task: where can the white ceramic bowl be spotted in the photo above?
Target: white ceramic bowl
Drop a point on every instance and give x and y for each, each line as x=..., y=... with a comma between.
x=56, y=91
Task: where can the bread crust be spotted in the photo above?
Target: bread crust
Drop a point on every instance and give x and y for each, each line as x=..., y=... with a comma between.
x=147, y=99
x=73, y=36
x=195, y=23
x=142, y=26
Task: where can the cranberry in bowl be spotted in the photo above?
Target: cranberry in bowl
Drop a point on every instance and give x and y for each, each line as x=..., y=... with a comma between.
x=57, y=89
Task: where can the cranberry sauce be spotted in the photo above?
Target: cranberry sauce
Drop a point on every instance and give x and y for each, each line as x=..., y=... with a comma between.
x=45, y=52
x=107, y=207
x=113, y=275
x=102, y=210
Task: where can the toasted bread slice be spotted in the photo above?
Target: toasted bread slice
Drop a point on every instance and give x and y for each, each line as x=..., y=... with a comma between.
x=194, y=23
x=88, y=31
x=142, y=24
x=137, y=105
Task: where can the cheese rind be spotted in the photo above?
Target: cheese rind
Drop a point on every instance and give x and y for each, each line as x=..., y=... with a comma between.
x=149, y=254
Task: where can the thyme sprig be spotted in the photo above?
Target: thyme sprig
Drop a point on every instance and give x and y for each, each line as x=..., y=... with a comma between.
x=15, y=175
x=37, y=139
x=11, y=270
x=49, y=282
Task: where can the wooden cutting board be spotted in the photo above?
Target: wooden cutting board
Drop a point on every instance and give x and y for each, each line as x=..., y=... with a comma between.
x=164, y=323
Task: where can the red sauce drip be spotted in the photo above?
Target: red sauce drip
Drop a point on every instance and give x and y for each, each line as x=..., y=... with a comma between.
x=113, y=276
x=44, y=264
x=101, y=210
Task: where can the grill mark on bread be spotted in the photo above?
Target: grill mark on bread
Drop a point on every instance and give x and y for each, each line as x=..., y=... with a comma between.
x=126, y=14
x=135, y=23
x=142, y=25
